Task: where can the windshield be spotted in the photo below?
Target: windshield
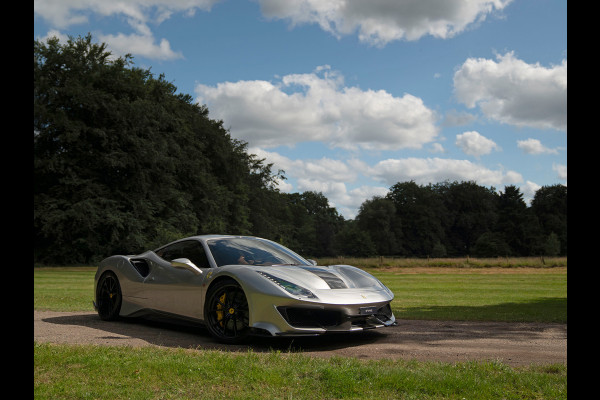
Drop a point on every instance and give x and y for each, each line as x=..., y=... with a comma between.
x=252, y=251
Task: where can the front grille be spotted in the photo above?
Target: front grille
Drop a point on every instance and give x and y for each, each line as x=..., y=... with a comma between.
x=301, y=317
x=310, y=317
x=385, y=311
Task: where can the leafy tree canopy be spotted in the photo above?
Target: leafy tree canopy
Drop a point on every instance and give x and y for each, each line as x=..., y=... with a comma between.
x=122, y=162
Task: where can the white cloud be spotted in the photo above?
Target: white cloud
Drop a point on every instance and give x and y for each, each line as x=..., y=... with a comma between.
x=62, y=37
x=456, y=118
x=332, y=177
x=347, y=202
x=322, y=170
x=528, y=190
x=432, y=170
x=64, y=13
x=138, y=14
x=561, y=170
x=534, y=146
x=381, y=21
x=121, y=44
x=437, y=148
x=328, y=176
x=474, y=144
x=284, y=186
x=514, y=92
x=142, y=45
x=319, y=108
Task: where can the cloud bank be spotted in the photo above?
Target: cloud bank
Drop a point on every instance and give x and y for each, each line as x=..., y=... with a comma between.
x=379, y=22
x=376, y=22
x=139, y=14
x=333, y=177
x=511, y=91
x=317, y=107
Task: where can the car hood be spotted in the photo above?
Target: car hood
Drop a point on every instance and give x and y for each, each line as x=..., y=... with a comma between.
x=321, y=277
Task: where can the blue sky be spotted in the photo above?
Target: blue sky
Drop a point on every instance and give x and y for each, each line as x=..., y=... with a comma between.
x=349, y=97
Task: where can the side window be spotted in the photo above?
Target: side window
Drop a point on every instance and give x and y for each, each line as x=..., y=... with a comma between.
x=195, y=252
x=191, y=249
x=171, y=252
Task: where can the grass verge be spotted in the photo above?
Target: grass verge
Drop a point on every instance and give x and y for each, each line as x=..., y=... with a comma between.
x=99, y=372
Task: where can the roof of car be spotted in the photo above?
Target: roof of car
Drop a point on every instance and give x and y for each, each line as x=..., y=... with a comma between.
x=216, y=236
x=205, y=238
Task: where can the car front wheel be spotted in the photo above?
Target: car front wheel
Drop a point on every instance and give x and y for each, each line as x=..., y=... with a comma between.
x=226, y=312
x=109, y=297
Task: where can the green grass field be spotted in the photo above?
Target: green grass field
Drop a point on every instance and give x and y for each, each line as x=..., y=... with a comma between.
x=522, y=296
x=459, y=292
x=519, y=294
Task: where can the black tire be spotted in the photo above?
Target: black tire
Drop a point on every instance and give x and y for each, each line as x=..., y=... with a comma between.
x=226, y=312
x=109, y=297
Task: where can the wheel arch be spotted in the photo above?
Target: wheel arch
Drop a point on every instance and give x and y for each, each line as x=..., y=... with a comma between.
x=101, y=303
x=98, y=279
x=218, y=282
x=246, y=279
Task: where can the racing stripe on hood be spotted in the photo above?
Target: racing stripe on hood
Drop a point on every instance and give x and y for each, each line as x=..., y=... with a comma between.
x=332, y=280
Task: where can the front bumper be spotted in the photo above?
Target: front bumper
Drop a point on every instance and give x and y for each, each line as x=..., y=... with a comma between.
x=335, y=320
x=284, y=316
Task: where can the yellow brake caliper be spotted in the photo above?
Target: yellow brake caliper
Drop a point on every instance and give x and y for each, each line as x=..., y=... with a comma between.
x=220, y=308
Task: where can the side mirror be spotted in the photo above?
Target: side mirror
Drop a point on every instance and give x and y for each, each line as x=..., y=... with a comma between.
x=185, y=263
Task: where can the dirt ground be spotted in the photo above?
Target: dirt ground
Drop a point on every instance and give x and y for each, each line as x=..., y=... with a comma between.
x=514, y=344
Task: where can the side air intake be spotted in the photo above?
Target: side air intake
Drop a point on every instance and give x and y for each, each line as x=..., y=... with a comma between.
x=141, y=266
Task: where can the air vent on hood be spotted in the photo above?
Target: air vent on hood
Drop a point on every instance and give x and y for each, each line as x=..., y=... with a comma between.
x=332, y=280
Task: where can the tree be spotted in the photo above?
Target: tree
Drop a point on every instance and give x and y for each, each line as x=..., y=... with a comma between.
x=85, y=152
x=470, y=211
x=552, y=245
x=317, y=223
x=123, y=163
x=490, y=244
x=420, y=210
x=549, y=205
x=439, y=250
x=354, y=242
x=377, y=217
x=512, y=218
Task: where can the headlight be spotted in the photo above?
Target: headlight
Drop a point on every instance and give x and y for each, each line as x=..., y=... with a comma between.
x=289, y=287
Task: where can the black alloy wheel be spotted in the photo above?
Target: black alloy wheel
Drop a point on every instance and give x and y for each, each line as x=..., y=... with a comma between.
x=226, y=312
x=109, y=297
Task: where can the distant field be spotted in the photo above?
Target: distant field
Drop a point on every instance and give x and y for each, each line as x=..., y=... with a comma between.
x=525, y=295
x=63, y=288
x=531, y=293
x=459, y=262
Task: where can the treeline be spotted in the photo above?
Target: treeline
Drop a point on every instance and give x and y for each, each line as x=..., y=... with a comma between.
x=452, y=219
x=123, y=164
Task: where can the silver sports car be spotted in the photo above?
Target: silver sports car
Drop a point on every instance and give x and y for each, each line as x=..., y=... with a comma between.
x=241, y=285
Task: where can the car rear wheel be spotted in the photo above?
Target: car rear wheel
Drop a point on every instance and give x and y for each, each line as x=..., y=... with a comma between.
x=226, y=312
x=109, y=297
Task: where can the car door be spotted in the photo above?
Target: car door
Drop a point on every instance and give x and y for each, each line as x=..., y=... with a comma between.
x=176, y=290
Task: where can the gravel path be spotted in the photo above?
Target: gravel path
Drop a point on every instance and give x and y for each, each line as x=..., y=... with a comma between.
x=449, y=341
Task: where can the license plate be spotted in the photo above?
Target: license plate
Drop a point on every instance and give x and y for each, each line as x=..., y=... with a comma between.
x=367, y=310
